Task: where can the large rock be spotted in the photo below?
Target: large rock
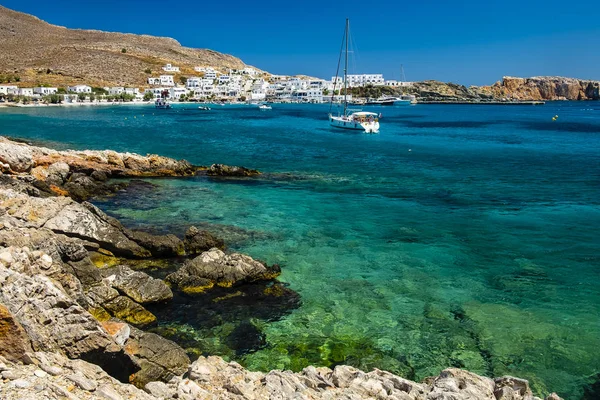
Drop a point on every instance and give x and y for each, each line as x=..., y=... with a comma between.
x=122, y=307
x=87, y=222
x=160, y=359
x=140, y=286
x=160, y=246
x=14, y=342
x=17, y=156
x=216, y=267
x=53, y=376
x=198, y=241
x=227, y=170
x=54, y=322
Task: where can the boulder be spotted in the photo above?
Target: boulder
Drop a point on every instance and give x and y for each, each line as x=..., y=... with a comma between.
x=17, y=156
x=14, y=342
x=160, y=246
x=160, y=359
x=216, y=267
x=124, y=308
x=140, y=286
x=198, y=241
x=227, y=170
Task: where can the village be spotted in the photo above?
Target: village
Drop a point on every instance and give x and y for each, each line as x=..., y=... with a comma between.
x=208, y=85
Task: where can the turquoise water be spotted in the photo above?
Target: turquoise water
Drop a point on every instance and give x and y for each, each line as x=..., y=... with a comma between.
x=459, y=236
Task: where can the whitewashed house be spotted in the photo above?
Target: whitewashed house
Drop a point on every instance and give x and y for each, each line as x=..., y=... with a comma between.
x=224, y=79
x=153, y=81
x=167, y=80
x=25, y=92
x=210, y=74
x=176, y=92
x=170, y=68
x=132, y=91
x=193, y=82
x=116, y=91
x=9, y=89
x=44, y=91
x=364, y=80
x=157, y=92
x=79, y=89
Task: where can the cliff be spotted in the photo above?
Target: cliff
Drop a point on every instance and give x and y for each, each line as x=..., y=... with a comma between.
x=509, y=89
x=41, y=53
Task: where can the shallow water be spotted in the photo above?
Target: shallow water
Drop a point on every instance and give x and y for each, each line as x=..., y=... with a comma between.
x=460, y=236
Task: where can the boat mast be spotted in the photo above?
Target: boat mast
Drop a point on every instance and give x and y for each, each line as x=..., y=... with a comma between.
x=346, y=70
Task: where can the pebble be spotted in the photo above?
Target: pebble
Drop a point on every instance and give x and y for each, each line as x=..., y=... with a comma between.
x=39, y=388
x=39, y=373
x=10, y=374
x=52, y=370
x=21, y=383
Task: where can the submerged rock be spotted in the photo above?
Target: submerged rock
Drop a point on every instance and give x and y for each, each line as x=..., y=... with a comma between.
x=159, y=246
x=198, y=241
x=227, y=170
x=140, y=287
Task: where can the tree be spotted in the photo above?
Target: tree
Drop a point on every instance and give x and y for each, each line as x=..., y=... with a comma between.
x=61, y=91
x=325, y=92
x=148, y=96
x=99, y=90
x=183, y=79
x=123, y=50
x=242, y=98
x=182, y=97
x=81, y=96
x=92, y=97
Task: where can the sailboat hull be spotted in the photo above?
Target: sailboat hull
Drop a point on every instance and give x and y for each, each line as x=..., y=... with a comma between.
x=344, y=123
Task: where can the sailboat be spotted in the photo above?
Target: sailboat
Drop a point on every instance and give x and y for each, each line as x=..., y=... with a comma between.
x=358, y=120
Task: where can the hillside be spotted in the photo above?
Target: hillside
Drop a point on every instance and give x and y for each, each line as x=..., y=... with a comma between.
x=41, y=53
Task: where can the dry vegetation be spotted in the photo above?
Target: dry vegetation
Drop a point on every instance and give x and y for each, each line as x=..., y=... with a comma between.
x=40, y=53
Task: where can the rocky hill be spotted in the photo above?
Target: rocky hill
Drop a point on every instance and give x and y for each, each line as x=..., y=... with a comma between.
x=41, y=53
x=509, y=89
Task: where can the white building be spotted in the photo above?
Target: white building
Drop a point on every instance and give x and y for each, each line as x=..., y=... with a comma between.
x=176, y=92
x=170, y=68
x=210, y=74
x=8, y=89
x=193, y=82
x=153, y=81
x=115, y=91
x=167, y=80
x=224, y=79
x=45, y=90
x=79, y=89
x=308, y=96
x=25, y=92
x=363, y=80
x=132, y=91
x=157, y=92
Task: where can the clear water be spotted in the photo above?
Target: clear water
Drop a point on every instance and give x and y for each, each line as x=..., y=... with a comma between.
x=459, y=236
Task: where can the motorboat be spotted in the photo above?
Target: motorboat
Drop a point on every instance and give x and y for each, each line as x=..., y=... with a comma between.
x=264, y=107
x=162, y=103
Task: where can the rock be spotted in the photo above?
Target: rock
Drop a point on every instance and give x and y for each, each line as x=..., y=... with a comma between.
x=219, y=268
x=140, y=286
x=14, y=342
x=160, y=390
x=118, y=330
x=40, y=373
x=17, y=156
x=160, y=359
x=128, y=310
x=464, y=384
x=12, y=375
x=197, y=241
x=21, y=383
x=82, y=382
x=87, y=222
x=509, y=387
x=106, y=391
x=159, y=246
x=58, y=173
x=99, y=175
x=227, y=170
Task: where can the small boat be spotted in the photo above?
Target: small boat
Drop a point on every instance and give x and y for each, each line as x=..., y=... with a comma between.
x=382, y=101
x=405, y=100
x=162, y=103
x=359, y=120
x=264, y=107
x=204, y=108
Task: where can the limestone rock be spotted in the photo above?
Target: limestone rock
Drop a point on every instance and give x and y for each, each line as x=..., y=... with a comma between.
x=17, y=156
x=227, y=170
x=222, y=269
x=128, y=310
x=197, y=241
x=14, y=342
x=160, y=359
x=159, y=246
x=140, y=286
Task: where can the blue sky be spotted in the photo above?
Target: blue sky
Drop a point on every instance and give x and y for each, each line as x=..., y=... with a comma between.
x=468, y=42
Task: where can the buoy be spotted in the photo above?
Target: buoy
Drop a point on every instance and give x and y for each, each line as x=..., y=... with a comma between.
x=409, y=149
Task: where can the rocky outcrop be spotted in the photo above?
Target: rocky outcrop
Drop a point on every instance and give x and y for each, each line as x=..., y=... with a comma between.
x=214, y=267
x=546, y=88
x=139, y=286
x=198, y=241
x=13, y=339
x=227, y=170
x=46, y=375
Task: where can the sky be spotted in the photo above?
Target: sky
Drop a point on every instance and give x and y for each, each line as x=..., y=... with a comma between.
x=472, y=42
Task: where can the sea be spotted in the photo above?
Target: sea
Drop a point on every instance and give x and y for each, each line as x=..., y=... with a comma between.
x=460, y=236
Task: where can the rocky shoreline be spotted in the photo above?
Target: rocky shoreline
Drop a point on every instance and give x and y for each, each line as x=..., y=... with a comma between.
x=73, y=305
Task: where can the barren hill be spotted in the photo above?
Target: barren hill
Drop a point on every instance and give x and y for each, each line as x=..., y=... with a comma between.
x=41, y=53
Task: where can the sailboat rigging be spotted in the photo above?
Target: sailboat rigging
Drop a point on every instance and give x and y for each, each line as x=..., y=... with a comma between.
x=358, y=120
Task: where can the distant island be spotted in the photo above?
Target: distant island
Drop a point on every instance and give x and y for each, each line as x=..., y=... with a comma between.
x=35, y=55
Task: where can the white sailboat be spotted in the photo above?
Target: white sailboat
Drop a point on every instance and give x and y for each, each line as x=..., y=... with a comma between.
x=358, y=120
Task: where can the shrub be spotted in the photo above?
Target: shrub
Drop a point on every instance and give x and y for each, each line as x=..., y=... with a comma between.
x=148, y=71
x=148, y=96
x=123, y=50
